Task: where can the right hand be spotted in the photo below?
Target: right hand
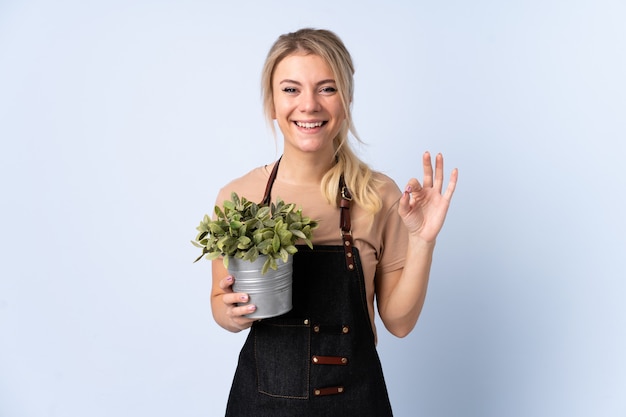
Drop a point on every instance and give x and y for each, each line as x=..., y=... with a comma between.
x=233, y=313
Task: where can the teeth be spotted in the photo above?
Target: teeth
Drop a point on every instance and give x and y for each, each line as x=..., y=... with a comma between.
x=309, y=125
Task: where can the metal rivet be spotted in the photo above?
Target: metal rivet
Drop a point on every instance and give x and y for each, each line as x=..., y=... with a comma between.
x=315, y=360
x=344, y=360
x=340, y=389
x=347, y=243
x=345, y=329
x=351, y=267
x=349, y=255
x=317, y=392
x=316, y=329
x=306, y=322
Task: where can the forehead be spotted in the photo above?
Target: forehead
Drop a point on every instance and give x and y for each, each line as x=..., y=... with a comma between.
x=302, y=67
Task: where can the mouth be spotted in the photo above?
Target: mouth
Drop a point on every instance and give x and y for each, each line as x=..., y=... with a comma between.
x=310, y=125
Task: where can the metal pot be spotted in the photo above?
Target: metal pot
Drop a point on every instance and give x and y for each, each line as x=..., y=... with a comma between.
x=269, y=292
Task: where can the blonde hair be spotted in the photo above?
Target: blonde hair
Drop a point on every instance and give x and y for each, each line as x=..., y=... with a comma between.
x=358, y=177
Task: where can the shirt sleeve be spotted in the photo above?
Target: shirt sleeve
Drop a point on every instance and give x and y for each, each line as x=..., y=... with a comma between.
x=393, y=234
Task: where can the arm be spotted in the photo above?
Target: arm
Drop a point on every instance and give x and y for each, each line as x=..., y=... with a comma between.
x=401, y=293
x=223, y=301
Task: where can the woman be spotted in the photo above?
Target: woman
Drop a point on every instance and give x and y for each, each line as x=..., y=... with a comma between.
x=374, y=241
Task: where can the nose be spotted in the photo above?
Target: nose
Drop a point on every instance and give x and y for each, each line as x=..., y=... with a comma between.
x=309, y=102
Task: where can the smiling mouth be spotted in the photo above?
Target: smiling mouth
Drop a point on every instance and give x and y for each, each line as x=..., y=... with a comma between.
x=307, y=125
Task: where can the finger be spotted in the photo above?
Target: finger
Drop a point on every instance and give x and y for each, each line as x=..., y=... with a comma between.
x=438, y=185
x=226, y=282
x=451, y=184
x=428, y=170
x=409, y=197
x=413, y=186
x=241, y=311
x=234, y=298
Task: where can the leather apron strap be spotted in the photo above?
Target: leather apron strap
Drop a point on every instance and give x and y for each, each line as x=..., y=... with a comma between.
x=344, y=222
x=267, y=195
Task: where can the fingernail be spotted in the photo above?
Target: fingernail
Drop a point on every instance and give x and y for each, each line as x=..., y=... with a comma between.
x=408, y=189
x=244, y=298
x=229, y=278
x=251, y=307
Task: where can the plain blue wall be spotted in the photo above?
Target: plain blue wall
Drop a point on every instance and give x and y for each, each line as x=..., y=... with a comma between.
x=120, y=120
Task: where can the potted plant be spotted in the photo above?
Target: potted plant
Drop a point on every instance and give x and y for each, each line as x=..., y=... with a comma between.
x=253, y=239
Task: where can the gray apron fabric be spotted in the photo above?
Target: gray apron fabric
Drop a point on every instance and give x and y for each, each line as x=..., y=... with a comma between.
x=320, y=358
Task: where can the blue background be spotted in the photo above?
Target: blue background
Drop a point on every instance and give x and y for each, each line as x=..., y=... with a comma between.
x=119, y=121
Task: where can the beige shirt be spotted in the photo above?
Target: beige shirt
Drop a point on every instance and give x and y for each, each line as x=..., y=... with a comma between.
x=381, y=240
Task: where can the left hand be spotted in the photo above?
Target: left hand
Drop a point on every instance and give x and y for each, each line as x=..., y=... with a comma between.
x=423, y=208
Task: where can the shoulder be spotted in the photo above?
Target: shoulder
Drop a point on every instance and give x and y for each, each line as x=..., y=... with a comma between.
x=250, y=185
x=387, y=189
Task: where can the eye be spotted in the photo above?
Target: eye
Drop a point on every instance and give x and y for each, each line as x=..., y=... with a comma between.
x=290, y=90
x=328, y=90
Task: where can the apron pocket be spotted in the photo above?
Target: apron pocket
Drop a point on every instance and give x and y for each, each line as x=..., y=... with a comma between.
x=282, y=350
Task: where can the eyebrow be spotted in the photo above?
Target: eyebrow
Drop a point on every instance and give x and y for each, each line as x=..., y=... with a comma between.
x=288, y=81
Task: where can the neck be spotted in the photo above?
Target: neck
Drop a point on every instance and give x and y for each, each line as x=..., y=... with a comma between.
x=304, y=169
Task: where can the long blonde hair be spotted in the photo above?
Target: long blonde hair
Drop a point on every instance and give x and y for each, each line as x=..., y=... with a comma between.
x=358, y=176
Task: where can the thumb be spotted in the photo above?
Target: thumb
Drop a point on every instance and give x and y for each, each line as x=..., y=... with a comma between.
x=404, y=205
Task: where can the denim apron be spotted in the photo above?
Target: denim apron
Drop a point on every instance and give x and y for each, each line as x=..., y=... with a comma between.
x=320, y=358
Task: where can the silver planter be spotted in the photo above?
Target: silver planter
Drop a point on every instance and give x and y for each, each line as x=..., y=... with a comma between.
x=269, y=292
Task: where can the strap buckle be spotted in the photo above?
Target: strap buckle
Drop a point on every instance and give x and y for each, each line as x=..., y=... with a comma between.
x=345, y=193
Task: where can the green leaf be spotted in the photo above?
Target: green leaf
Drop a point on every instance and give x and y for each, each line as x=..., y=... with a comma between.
x=213, y=255
x=279, y=224
x=252, y=254
x=276, y=243
x=197, y=245
x=229, y=205
x=227, y=244
x=266, y=265
x=203, y=226
x=286, y=237
x=252, y=224
x=269, y=263
x=299, y=234
x=263, y=212
x=235, y=198
x=264, y=246
x=243, y=242
x=295, y=225
x=216, y=229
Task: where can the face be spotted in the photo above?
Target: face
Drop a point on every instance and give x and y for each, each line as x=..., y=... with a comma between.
x=307, y=105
